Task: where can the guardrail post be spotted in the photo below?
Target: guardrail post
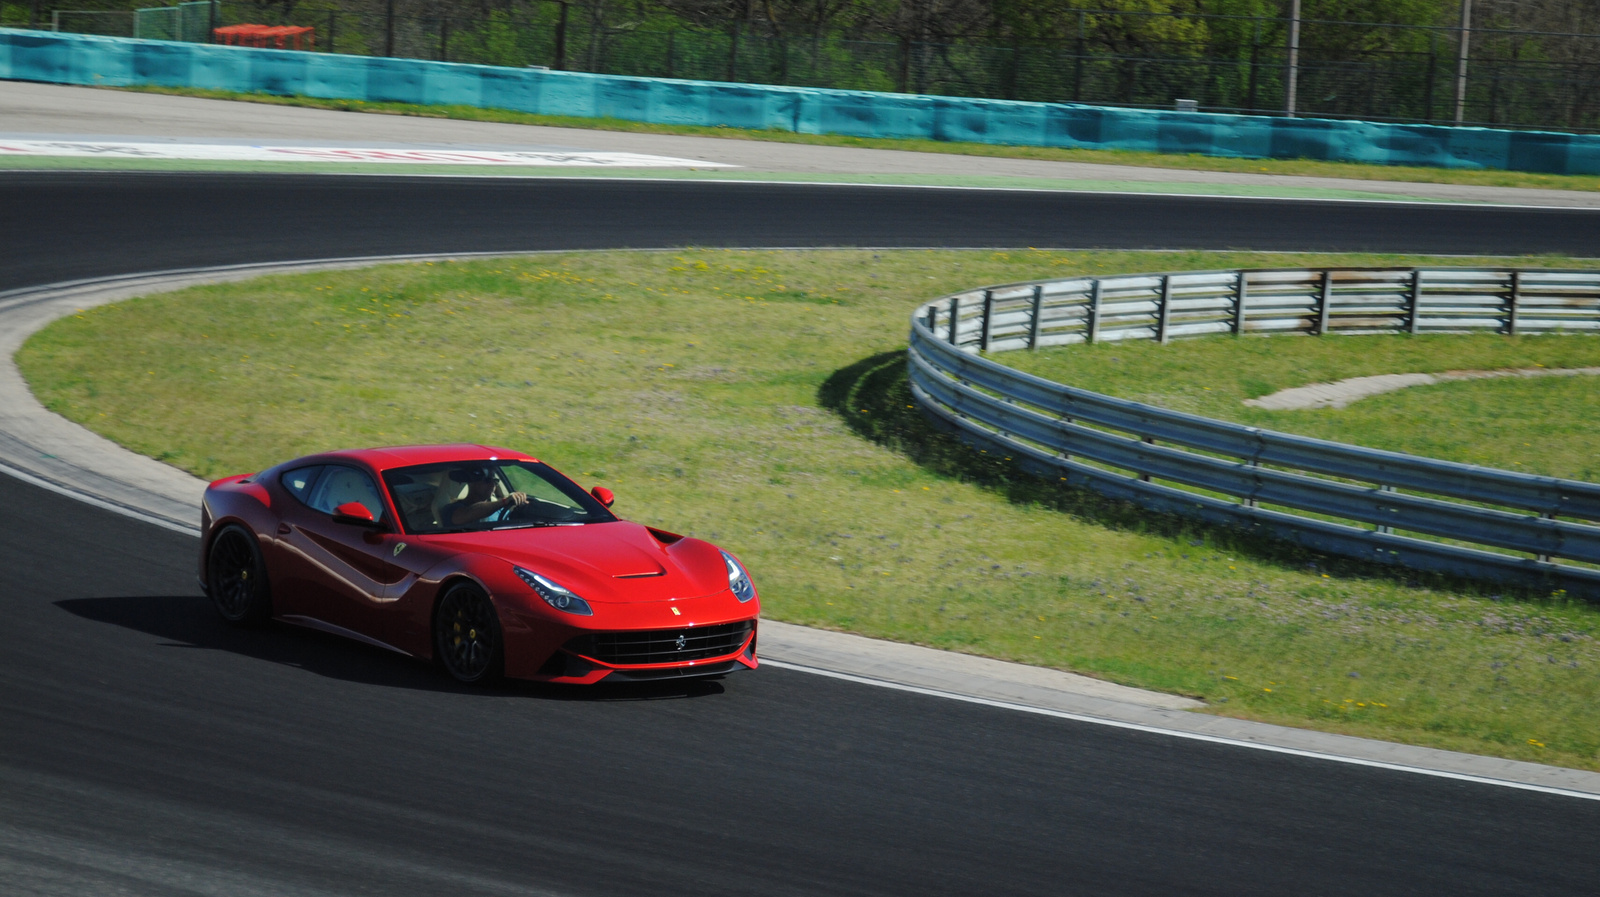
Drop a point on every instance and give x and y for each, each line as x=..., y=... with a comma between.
x=1380, y=528
x=1515, y=298
x=988, y=320
x=1000, y=428
x=1033, y=319
x=1240, y=291
x=1164, y=312
x=1324, y=294
x=1094, y=311
x=1414, y=301
x=1255, y=462
x=1321, y=479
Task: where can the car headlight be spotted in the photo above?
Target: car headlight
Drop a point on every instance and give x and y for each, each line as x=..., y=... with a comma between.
x=557, y=596
x=738, y=580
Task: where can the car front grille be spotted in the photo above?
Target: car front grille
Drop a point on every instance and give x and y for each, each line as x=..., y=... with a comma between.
x=662, y=645
x=658, y=674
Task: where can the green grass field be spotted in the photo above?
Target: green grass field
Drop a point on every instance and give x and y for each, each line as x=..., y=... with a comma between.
x=759, y=399
x=1548, y=425
x=1194, y=162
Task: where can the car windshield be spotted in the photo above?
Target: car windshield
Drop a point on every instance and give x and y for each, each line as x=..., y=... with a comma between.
x=469, y=496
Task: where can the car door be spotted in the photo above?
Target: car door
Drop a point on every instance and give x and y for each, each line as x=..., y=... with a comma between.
x=349, y=567
x=296, y=579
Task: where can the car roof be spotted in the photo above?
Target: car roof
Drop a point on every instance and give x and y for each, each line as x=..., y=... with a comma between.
x=390, y=457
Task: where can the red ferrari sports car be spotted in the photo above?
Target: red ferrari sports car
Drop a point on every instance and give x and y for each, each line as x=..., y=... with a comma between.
x=484, y=559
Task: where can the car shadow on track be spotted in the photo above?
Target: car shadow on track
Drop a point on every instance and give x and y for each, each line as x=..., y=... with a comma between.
x=190, y=622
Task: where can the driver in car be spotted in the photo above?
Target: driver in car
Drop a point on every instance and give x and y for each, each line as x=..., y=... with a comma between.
x=476, y=504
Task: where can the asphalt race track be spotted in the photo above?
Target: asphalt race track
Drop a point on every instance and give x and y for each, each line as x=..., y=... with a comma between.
x=148, y=749
x=65, y=225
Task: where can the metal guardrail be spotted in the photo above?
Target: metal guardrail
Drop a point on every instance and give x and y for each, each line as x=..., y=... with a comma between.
x=1342, y=499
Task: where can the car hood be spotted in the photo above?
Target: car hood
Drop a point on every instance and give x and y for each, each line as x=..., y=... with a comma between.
x=609, y=563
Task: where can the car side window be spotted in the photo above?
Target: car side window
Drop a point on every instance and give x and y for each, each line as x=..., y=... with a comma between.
x=300, y=480
x=539, y=488
x=340, y=485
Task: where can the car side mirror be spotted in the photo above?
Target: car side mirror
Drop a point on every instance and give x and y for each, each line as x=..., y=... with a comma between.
x=354, y=512
x=603, y=495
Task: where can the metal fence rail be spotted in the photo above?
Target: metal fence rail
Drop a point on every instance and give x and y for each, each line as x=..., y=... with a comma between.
x=1343, y=499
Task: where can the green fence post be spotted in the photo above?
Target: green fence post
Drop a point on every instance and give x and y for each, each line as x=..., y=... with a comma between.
x=1077, y=62
x=905, y=65
x=1255, y=57
x=561, y=38
x=388, y=30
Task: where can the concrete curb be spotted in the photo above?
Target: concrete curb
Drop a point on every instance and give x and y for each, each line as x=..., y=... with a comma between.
x=43, y=448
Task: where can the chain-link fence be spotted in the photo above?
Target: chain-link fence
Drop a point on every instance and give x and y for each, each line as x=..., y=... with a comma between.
x=1377, y=72
x=112, y=23
x=191, y=22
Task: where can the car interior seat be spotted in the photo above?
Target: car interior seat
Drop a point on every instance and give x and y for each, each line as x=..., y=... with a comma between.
x=449, y=490
x=342, y=485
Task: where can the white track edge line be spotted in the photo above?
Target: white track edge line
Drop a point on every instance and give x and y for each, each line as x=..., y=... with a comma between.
x=1179, y=733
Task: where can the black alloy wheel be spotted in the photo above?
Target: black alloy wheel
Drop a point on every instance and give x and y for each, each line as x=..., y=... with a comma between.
x=237, y=578
x=466, y=635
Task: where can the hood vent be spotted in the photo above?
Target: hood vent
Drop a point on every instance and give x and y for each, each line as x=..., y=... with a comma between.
x=640, y=575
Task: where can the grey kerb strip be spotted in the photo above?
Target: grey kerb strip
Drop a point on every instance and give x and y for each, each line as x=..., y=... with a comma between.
x=47, y=450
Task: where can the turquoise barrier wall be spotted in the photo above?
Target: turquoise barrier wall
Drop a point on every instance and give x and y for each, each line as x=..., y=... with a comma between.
x=90, y=59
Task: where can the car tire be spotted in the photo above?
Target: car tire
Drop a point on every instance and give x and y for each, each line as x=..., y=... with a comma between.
x=236, y=577
x=467, y=639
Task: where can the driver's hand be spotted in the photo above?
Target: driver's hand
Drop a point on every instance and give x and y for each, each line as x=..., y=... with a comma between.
x=517, y=499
